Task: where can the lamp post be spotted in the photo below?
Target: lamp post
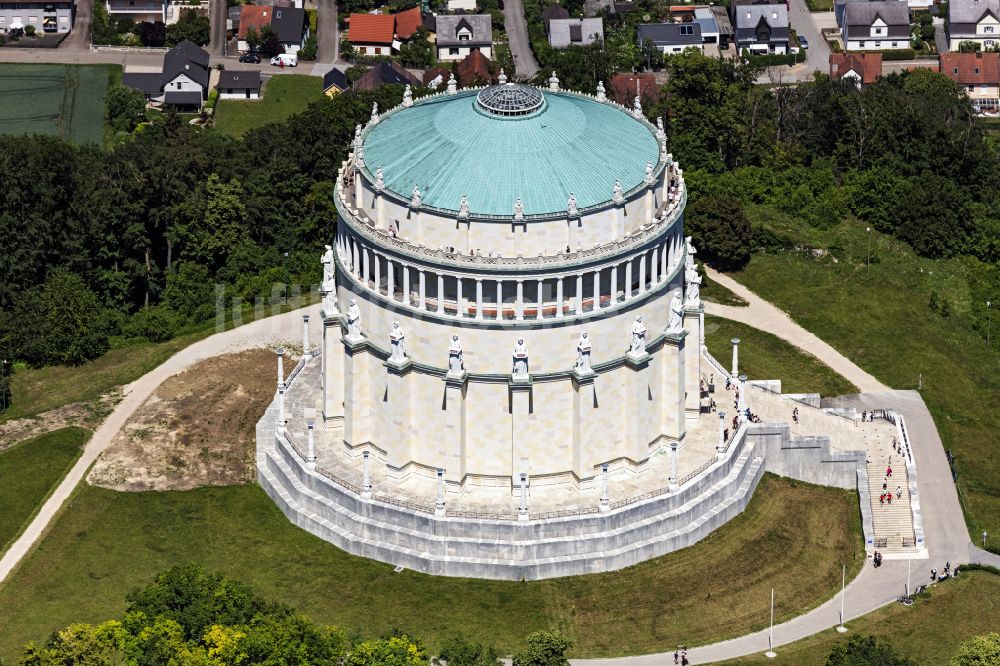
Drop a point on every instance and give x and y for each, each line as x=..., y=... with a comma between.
x=984, y=539
x=868, y=261
x=989, y=311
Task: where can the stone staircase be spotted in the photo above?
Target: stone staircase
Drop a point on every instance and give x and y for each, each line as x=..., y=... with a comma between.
x=892, y=524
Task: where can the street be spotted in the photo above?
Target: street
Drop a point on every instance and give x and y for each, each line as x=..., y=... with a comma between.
x=218, y=15
x=328, y=50
x=517, y=36
x=818, y=53
x=79, y=35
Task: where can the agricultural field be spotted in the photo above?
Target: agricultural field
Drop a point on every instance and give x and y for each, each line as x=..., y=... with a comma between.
x=59, y=100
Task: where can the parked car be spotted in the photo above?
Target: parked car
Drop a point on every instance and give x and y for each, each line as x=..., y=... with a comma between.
x=803, y=42
x=250, y=57
x=285, y=60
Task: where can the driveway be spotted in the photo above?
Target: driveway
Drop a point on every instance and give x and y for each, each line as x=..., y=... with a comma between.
x=218, y=13
x=818, y=53
x=517, y=36
x=326, y=32
x=79, y=35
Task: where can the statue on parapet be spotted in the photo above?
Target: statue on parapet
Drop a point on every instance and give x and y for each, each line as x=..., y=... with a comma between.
x=354, y=321
x=456, y=357
x=583, y=349
x=328, y=268
x=637, y=346
x=397, y=340
x=676, y=323
x=520, y=370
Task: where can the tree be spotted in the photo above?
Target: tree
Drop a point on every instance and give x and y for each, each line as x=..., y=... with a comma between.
x=979, y=651
x=308, y=50
x=126, y=108
x=269, y=44
x=253, y=39
x=71, y=323
x=866, y=651
x=392, y=651
x=191, y=26
x=969, y=46
x=418, y=52
x=720, y=230
x=152, y=33
x=29, y=30
x=935, y=219
x=545, y=648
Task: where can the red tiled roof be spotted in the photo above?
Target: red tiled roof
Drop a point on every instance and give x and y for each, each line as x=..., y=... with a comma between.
x=432, y=73
x=475, y=67
x=867, y=65
x=624, y=86
x=407, y=22
x=971, y=68
x=257, y=16
x=371, y=28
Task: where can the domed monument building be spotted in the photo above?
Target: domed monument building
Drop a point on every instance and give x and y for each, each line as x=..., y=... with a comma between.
x=511, y=377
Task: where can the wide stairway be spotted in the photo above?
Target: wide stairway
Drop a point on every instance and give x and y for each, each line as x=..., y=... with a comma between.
x=892, y=524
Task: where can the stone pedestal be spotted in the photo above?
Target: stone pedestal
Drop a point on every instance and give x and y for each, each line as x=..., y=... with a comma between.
x=357, y=392
x=452, y=447
x=672, y=379
x=333, y=372
x=398, y=397
x=692, y=361
x=637, y=392
x=520, y=413
x=584, y=414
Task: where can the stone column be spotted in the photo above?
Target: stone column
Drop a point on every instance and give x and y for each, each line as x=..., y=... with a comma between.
x=390, y=272
x=743, y=397
x=519, y=301
x=664, y=261
x=597, y=291
x=585, y=415
x=614, y=286
x=579, y=294
x=692, y=361
x=522, y=505
x=479, y=298
x=559, y=298
x=628, y=279
x=520, y=413
x=452, y=447
x=355, y=259
x=459, y=306
x=398, y=408
x=541, y=300
x=406, y=283
x=499, y=316
x=736, y=357
x=639, y=422
x=440, y=294
x=333, y=369
x=366, y=484
x=672, y=357
x=654, y=266
x=311, y=443
x=422, y=304
x=673, y=466
x=378, y=274
x=721, y=448
x=365, y=266
x=380, y=210
x=280, y=351
x=605, y=502
x=358, y=372
x=305, y=335
x=439, y=503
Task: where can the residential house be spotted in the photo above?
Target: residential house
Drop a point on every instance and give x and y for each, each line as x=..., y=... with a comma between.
x=335, y=82
x=436, y=77
x=705, y=18
x=978, y=74
x=861, y=68
x=407, y=23
x=876, y=26
x=256, y=17
x=566, y=32
x=595, y=7
x=239, y=84
x=974, y=21
x=372, y=34
x=761, y=29
x=183, y=82
x=384, y=72
x=671, y=37
x=553, y=12
x=460, y=35
x=624, y=88
x=291, y=27
x=476, y=69
x=723, y=25
x=138, y=10
x=45, y=15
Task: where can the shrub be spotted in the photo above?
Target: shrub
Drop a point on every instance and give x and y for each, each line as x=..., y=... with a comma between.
x=308, y=50
x=29, y=30
x=720, y=230
x=155, y=324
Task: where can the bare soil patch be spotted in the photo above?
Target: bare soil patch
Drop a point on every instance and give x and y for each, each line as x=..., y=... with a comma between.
x=198, y=428
x=82, y=414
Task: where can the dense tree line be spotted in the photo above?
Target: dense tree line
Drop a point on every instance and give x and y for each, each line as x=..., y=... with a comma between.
x=132, y=242
x=190, y=617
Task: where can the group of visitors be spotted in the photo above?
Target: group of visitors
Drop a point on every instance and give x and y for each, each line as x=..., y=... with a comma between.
x=795, y=415
x=870, y=416
x=681, y=656
x=886, y=496
x=877, y=559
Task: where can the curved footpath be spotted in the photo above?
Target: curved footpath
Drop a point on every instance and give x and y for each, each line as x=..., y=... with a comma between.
x=269, y=331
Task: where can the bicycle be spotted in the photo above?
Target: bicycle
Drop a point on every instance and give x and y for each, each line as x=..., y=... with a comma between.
x=905, y=600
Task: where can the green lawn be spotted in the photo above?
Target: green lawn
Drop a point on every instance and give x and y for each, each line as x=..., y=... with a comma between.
x=36, y=390
x=29, y=472
x=716, y=293
x=880, y=318
x=60, y=100
x=929, y=631
x=106, y=543
x=765, y=356
x=284, y=95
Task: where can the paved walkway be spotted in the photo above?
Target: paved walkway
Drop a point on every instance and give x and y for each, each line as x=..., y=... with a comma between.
x=269, y=331
x=517, y=37
x=766, y=316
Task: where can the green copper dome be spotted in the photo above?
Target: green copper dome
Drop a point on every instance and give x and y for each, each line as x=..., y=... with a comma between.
x=450, y=145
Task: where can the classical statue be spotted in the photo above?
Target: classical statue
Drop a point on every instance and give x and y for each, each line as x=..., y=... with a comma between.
x=328, y=268
x=676, y=323
x=571, y=207
x=415, y=197
x=353, y=320
x=601, y=93
x=357, y=136
x=456, y=359
x=407, y=96
x=583, y=353
x=649, y=173
x=463, y=207
x=502, y=79
x=661, y=135
x=616, y=195
x=638, y=343
x=520, y=360
x=637, y=107
x=693, y=287
x=398, y=341
x=379, y=179
x=374, y=118
x=518, y=209
x=554, y=82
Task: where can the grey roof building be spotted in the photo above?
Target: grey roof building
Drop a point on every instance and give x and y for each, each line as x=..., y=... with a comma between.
x=289, y=25
x=479, y=25
x=761, y=28
x=236, y=79
x=183, y=81
x=565, y=32
x=553, y=12
x=671, y=37
x=973, y=20
x=876, y=25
